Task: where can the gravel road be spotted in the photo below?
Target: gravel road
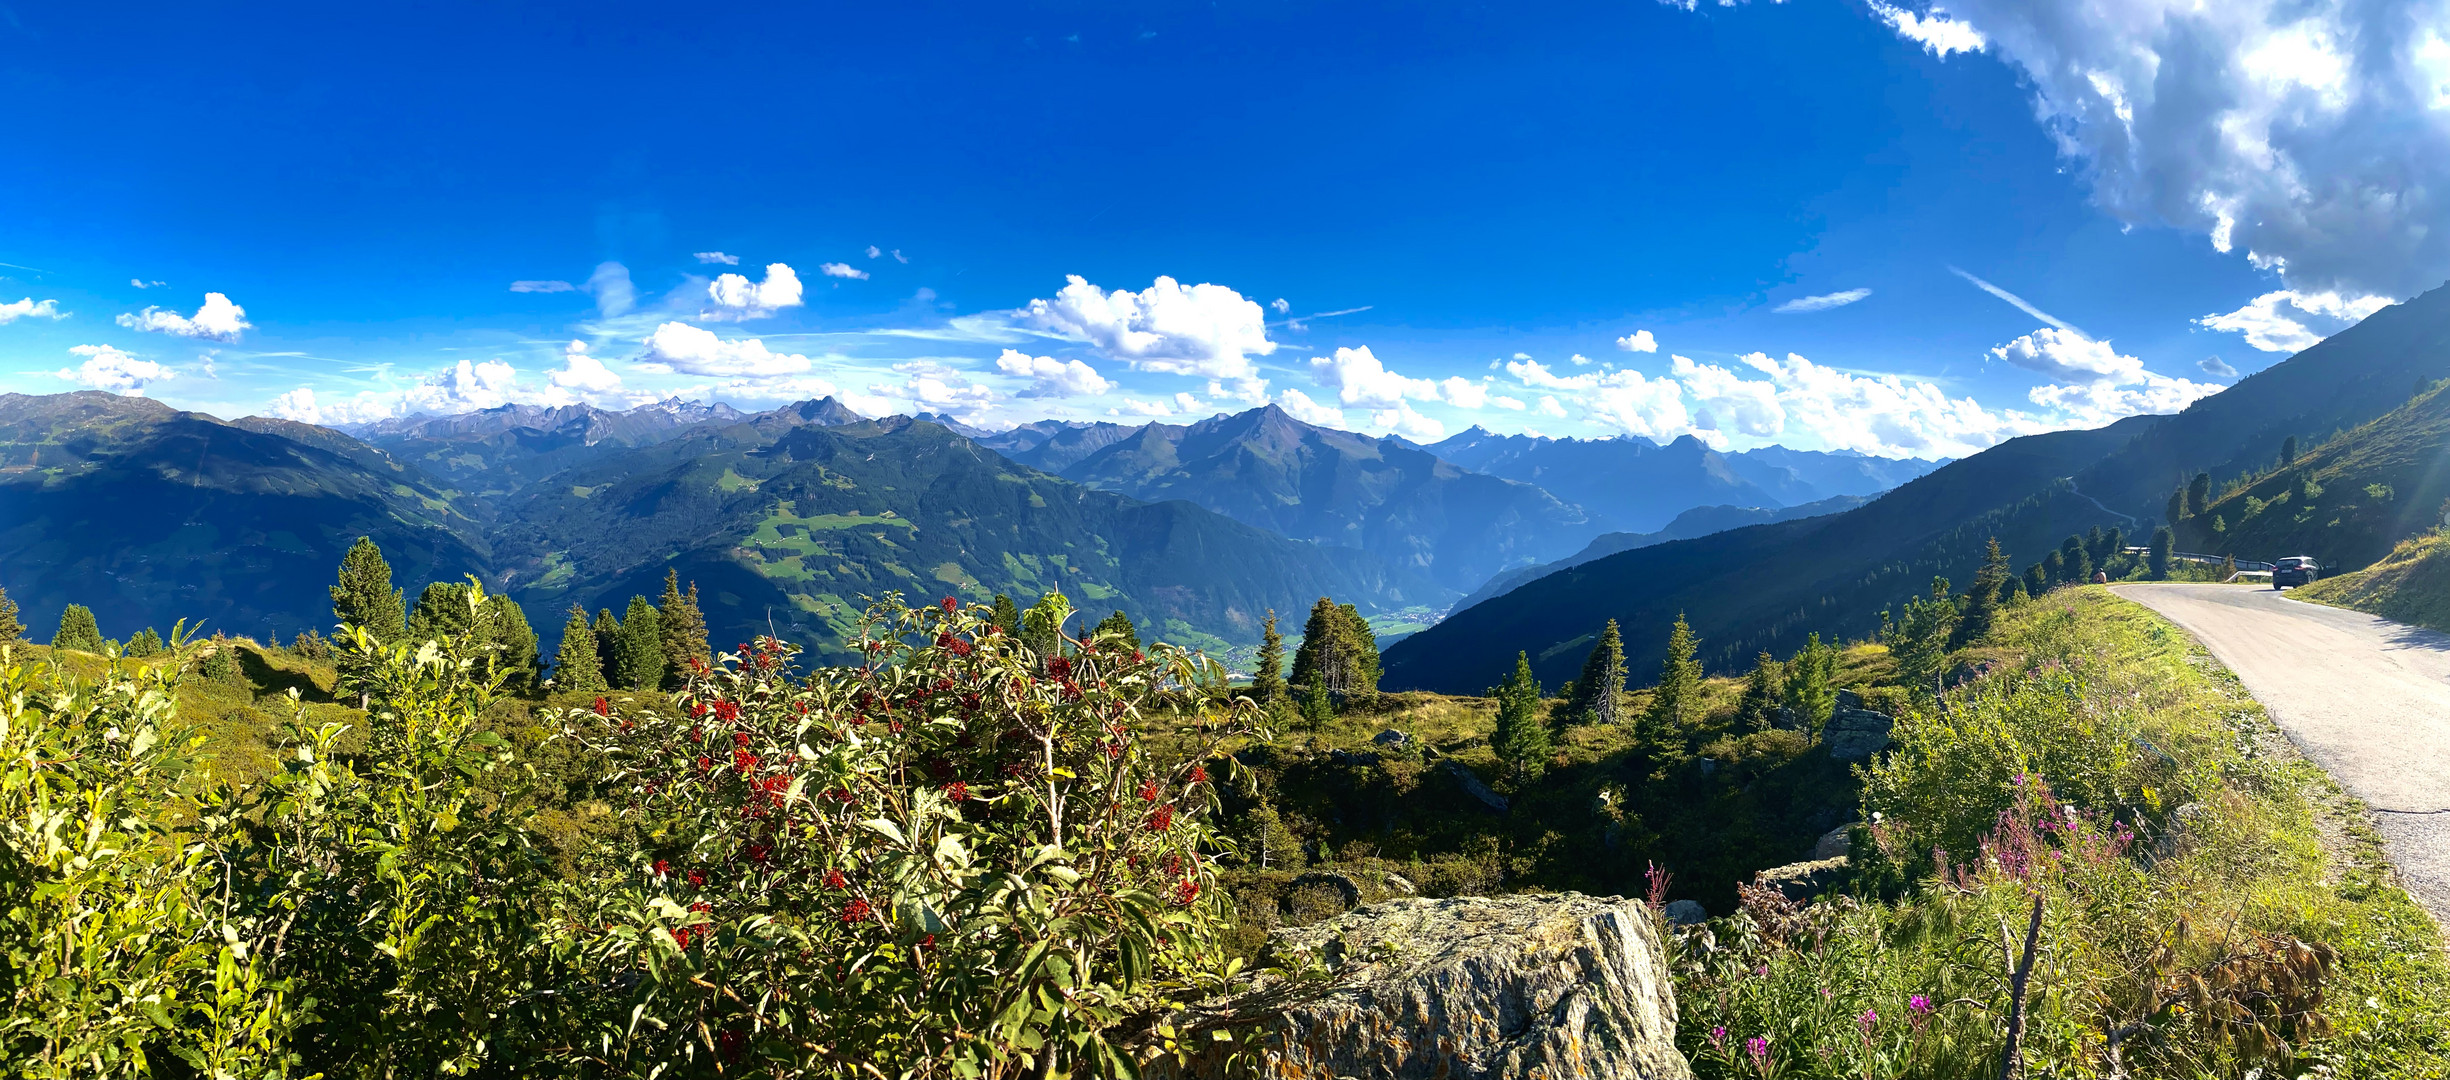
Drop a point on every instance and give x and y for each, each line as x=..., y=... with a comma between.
x=2366, y=698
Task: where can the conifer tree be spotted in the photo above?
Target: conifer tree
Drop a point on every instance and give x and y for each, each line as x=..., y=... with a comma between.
x=1764, y=692
x=1982, y=601
x=2037, y=578
x=1596, y=695
x=2288, y=452
x=11, y=630
x=1042, y=624
x=683, y=627
x=1676, y=703
x=2199, y=494
x=2176, y=510
x=1007, y=617
x=1811, y=684
x=1521, y=739
x=1320, y=659
x=513, y=641
x=1317, y=707
x=1361, y=676
x=1268, y=682
x=1119, y=625
x=1919, y=641
x=2157, y=561
x=639, y=652
x=607, y=645
x=441, y=612
x=364, y=597
x=221, y=664
x=2074, y=564
x=576, y=668
x=147, y=642
x=77, y=630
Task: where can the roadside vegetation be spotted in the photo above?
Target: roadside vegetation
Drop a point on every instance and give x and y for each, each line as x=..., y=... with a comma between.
x=2411, y=584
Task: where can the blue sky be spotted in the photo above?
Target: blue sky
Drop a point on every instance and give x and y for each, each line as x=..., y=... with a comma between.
x=2016, y=214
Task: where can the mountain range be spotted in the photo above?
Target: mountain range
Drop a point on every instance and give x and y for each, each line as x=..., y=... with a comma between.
x=1765, y=587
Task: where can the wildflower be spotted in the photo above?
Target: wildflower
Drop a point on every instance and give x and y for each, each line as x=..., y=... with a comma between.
x=1718, y=1037
x=1758, y=1048
x=661, y=867
x=1868, y=1021
x=1185, y=892
x=603, y=707
x=1162, y=820
x=957, y=791
x=1918, y=1012
x=857, y=911
x=835, y=880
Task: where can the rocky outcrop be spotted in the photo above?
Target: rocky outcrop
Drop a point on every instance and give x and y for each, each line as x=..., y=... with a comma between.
x=1804, y=880
x=1471, y=785
x=1836, y=843
x=1856, y=734
x=1542, y=987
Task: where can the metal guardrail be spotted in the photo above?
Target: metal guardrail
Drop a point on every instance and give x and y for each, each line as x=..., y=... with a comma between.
x=2197, y=556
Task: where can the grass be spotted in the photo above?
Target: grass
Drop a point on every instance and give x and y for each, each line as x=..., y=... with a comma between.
x=2107, y=722
x=2411, y=584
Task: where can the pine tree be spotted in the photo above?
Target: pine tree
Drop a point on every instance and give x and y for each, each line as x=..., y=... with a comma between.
x=1982, y=601
x=1042, y=624
x=147, y=642
x=1596, y=695
x=2054, y=568
x=441, y=612
x=221, y=663
x=2074, y=564
x=2199, y=494
x=683, y=627
x=1317, y=707
x=1361, y=644
x=1521, y=738
x=1676, y=704
x=2158, y=560
x=639, y=652
x=575, y=666
x=1919, y=641
x=2176, y=510
x=77, y=630
x=1764, y=691
x=514, y=643
x=1007, y=617
x=2037, y=578
x=1120, y=626
x=11, y=630
x=364, y=598
x=1319, y=660
x=1811, y=684
x=311, y=644
x=607, y=645
x=1268, y=684
x=2288, y=452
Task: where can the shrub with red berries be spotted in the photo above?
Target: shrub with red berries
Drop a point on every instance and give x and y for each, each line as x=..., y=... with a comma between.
x=956, y=858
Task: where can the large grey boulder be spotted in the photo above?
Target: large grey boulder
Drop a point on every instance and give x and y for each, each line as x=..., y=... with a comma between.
x=1539, y=986
x=1472, y=786
x=1856, y=734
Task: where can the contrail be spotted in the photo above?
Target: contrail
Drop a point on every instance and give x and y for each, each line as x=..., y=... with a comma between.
x=2020, y=303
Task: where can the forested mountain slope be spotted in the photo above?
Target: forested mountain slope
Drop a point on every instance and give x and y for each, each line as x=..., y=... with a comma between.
x=1766, y=586
x=796, y=525
x=493, y=452
x=1696, y=522
x=147, y=514
x=2345, y=502
x=1419, y=513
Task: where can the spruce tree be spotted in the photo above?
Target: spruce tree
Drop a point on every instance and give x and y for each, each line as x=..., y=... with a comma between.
x=575, y=666
x=1764, y=692
x=514, y=643
x=147, y=642
x=2037, y=579
x=2176, y=510
x=683, y=627
x=77, y=630
x=2199, y=494
x=1007, y=617
x=441, y=612
x=607, y=645
x=1317, y=707
x=1521, y=738
x=1596, y=695
x=11, y=630
x=1982, y=601
x=2157, y=561
x=1120, y=626
x=2288, y=452
x=639, y=652
x=1320, y=659
x=1268, y=683
x=1361, y=651
x=1811, y=684
x=1676, y=703
x=365, y=598
x=221, y=663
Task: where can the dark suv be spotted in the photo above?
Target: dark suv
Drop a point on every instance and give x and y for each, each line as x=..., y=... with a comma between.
x=2294, y=570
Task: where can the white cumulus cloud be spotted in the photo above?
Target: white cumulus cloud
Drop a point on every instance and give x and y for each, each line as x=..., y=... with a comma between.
x=1299, y=406
x=694, y=350
x=734, y=296
x=2268, y=328
x=1204, y=330
x=218, y=319
x=31, y=308
x=581, y=375
x=106, y=368
x=2070, y=357
x=1402, y=420
x=1638, y=341
x=1050, y=377
x=1935, y=32
x=843, y=270
x=2213, y=365
x=1360, y=380
x=305, y=407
